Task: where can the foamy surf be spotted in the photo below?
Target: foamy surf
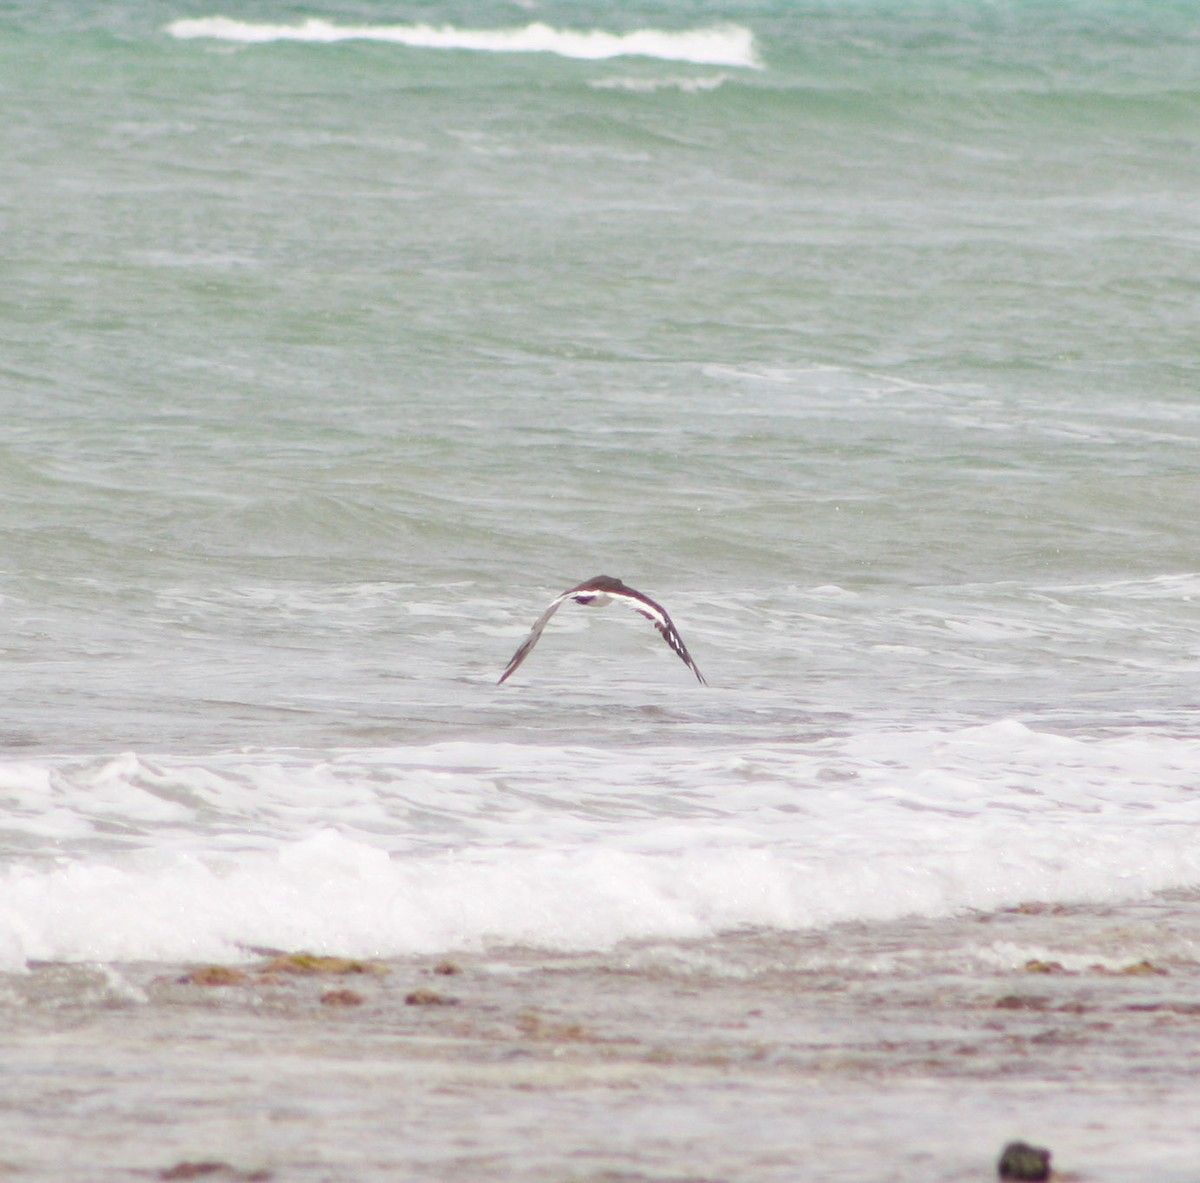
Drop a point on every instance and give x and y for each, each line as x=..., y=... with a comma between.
x=725, y=45
x=451, y=846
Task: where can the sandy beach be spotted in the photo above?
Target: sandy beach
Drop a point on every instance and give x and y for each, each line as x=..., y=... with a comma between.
x=899, y=1051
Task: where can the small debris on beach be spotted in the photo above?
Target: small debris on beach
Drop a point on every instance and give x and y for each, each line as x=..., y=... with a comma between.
x=214, y=975
x=1143, y=967
x=1020, y=1002
x=425, y=997
x=1044, y=967
x=533, y=1026
x=212, y=1169
x=311, y=964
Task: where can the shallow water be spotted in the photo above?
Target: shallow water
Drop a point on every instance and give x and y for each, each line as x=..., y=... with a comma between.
x=873, y=1050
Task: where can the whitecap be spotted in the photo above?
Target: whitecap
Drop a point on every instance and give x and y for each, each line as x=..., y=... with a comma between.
x=722, y=45
x=652, y=85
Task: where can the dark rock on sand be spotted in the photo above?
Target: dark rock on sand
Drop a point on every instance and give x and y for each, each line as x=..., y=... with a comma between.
x=1019, y=1160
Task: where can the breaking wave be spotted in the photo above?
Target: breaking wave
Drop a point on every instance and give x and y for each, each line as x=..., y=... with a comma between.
x=725, y=45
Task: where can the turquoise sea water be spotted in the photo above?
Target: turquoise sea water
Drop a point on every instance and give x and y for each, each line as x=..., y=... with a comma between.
x=335, y=342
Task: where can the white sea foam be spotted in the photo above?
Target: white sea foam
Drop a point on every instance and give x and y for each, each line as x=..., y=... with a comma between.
x=457, y=845
x=725, y=45
x=652, y=85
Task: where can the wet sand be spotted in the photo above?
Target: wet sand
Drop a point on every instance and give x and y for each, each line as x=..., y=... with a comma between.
x=865, y=1052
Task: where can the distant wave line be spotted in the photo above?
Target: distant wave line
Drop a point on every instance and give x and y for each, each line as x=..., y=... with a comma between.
x=722, y=45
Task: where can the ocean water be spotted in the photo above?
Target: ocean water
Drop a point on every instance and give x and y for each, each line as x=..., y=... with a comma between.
x=336, y=340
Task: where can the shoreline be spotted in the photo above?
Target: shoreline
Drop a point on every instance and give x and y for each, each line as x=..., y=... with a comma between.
x=867, y=1051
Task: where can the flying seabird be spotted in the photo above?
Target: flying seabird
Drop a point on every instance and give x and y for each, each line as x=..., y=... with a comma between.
x=604, y=589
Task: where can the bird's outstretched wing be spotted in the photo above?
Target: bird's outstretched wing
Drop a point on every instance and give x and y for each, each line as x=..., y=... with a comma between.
x=532, y=639
x=657, y=615
x=602, y=590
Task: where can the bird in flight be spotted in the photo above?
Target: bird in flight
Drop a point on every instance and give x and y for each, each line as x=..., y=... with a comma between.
x=597, y=592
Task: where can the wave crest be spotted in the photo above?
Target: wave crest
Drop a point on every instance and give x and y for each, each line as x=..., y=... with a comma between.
x=723, y=45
